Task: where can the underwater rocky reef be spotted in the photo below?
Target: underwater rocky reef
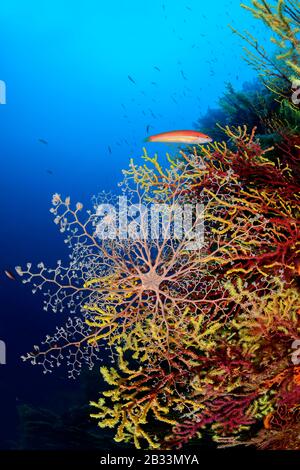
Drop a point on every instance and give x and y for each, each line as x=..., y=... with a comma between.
x=202, y=343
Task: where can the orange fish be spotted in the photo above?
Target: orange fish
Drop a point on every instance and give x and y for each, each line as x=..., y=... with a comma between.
x=10, y=275
x=182, y=137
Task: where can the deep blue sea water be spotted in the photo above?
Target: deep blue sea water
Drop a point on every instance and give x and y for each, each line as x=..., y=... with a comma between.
x=66, y=66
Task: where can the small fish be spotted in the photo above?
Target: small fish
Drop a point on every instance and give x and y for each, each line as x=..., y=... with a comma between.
x=50, y=172
x=109, y=149
x=183, y=137
x=43, y=141
x=188, y=8
x=154, y=83
x=10, y=275
x=131, y=79
x=148, y=128
x=183, y=75
x=157, y=68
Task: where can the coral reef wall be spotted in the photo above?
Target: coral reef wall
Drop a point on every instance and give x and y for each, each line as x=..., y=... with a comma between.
x=202, y=342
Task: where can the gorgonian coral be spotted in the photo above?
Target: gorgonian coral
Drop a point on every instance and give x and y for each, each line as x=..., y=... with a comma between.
x=200, y=336
x=215, y=390
x=282, y=17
